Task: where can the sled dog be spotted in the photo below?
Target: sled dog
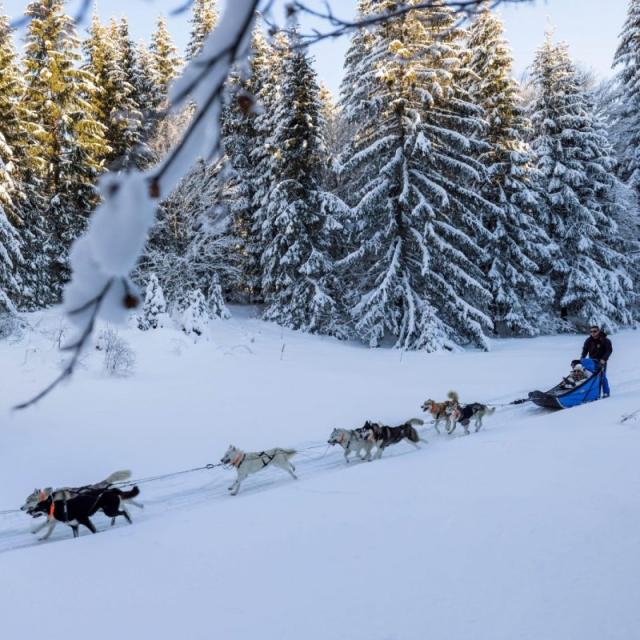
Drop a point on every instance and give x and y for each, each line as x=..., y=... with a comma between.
x=248, y=463
x=37, y=495
x=66, y=493
x=352, y=441
x=382, y=436
x=442, y=410
x=77, y=510
x=464, y=414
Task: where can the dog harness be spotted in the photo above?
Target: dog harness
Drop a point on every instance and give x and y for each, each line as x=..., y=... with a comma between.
x=239, y=459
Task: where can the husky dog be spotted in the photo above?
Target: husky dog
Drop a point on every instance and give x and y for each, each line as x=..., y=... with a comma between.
x=37, y=495
x=352, y=441
x=463, y=415
x=248, y=463
x=442, y=410
x=76, y=510
x=66, y=493
x=382, y=436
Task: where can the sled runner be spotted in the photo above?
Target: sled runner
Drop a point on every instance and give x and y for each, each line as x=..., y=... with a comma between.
x=561, y=397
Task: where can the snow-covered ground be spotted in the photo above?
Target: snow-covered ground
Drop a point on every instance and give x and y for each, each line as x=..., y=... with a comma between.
x=528, y=529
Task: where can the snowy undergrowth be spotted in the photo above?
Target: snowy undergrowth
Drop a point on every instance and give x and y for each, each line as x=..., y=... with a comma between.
x=528, y=529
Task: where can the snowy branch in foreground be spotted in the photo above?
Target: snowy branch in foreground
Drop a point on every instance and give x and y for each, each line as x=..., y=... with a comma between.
x=103, y=258
x=341, y=27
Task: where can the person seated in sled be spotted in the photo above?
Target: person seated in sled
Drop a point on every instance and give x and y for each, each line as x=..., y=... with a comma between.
x=596, y=351
x=578, y=374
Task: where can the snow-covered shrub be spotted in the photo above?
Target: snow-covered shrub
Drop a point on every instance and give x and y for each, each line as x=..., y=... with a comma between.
x=196, y=316
x=10, y=325
x=217, y=307
x=154, y=311
x=119, y=359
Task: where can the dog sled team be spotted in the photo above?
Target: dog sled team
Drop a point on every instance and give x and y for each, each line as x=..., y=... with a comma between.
x=74, y=506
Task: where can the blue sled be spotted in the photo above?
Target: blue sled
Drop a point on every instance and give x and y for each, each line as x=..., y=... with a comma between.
x=562, y=398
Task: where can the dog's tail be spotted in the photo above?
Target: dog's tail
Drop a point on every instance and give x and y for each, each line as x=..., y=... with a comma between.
x=411, y=434
x=117, y=476
x=415, y=421
x=131, y=494
x=453, y=396
x=288, y=452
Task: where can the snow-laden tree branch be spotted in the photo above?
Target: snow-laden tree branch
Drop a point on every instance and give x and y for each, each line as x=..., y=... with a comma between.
x=106, y=254
x=340, y=26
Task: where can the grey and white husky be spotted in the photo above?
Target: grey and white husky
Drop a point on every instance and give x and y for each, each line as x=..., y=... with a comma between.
x=352, y=441
x=252, y=462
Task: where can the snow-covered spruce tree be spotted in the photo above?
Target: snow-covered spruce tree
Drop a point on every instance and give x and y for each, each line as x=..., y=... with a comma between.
x=191, y=241
x=13, y=125
x=627, y=59
x=411, y=171
x=519, y=246
x=243, y=140
x=299, y=233
x=115, y=102
x=589, y=275
x=11, y=286
x=203, y=20
x=333, y=134
x=195, y=317
x=69, y=147
x=166, y=65
x=166, y=60
x=143, y=110
x=215, y=301
x=155, y=307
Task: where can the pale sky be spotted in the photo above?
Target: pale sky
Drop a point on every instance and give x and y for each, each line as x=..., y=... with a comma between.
x=591, y=28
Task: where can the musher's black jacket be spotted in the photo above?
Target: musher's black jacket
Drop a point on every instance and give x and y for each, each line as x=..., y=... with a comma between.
x=599, y=348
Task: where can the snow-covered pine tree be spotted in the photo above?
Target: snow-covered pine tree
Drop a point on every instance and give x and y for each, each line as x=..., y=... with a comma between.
x=114, y=99
x=333, y=134
x=589, y=275
x=10, y=257
x=263, y=160
x=13, y=125
x=149, y=97
x=243, y=140
x=411, y=171
x=627, y=58
x=11, y=287
x=69, y=146
x=215, y=300
x=203, y=20
x=154, y=309
x=139, y=131
x=519, y=246
x=299, y=279
x=191, y=241
x=166, y=64
x=166, y=60
x=195, y=317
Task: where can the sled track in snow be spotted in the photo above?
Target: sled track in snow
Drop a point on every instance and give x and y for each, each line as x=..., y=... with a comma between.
x=185, y=490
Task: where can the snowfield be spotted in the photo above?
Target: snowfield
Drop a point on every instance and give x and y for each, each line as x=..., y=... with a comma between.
x=528, y=529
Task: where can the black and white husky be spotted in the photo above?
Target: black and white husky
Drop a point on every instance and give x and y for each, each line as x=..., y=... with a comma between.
x=52, y=503
x=248, y=463
x=382, y=436
x=352, y=441
x=77, y=510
